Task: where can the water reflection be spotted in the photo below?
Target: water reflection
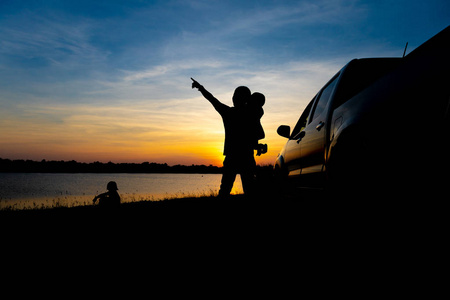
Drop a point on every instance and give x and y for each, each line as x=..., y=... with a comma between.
x=39, y=190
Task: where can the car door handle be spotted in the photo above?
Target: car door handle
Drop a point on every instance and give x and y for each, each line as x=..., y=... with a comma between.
x=320, y=125
x=300, y=136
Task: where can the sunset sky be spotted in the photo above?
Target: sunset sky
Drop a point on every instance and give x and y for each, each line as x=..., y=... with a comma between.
x=110, y=80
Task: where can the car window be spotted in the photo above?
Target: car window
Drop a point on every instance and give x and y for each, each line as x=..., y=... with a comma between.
x=360, y=74
x=303, y=119
x=323, y=99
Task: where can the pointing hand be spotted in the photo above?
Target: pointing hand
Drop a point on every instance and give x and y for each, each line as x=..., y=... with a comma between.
x=195, y=84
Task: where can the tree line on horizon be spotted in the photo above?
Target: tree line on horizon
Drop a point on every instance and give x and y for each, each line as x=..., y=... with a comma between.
x=44, y=166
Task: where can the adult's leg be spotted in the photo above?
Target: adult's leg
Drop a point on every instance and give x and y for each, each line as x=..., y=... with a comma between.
x=248, y=183
x=227, y=183
x=228, y=177
x=247, y=172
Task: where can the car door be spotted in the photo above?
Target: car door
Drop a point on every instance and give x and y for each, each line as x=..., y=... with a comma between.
x=292, y=155
x=312, y=144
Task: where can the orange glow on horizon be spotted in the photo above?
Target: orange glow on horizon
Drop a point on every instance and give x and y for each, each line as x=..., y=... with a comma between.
x=121, y=134
x=199, y=154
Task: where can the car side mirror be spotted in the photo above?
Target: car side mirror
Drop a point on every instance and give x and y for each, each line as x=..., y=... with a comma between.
x=284, y=131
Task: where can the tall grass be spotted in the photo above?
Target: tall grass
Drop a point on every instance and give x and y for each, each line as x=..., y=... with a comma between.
x=74, y=201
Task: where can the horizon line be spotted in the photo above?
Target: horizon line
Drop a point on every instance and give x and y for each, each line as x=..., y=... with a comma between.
x=110, y=162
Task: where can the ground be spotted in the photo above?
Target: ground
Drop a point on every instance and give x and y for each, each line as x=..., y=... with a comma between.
x=283, y=211
x=270, y=244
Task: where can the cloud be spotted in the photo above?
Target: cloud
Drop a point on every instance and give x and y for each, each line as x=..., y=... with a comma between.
x=304, y=13
x=58, y=41
x=171, y=69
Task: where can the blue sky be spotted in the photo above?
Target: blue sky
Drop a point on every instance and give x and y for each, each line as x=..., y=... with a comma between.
x=109, y=80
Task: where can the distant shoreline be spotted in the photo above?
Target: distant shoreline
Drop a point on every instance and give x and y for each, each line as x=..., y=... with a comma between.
x=44, y=166
x=30, y=166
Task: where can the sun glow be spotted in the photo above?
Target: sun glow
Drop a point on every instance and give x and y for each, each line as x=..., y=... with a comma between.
x=122, y=134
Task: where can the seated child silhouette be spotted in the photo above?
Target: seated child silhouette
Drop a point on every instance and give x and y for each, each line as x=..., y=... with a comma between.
x=254, y=105
x=111, y=198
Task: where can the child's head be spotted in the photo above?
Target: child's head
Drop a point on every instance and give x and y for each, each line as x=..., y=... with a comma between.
x=258, y=99
x=241, y=96
x=112, y=186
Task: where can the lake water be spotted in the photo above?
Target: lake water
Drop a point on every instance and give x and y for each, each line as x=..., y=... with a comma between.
x=31, y=190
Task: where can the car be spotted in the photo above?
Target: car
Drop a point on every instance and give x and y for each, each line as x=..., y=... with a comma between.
x=376, y=122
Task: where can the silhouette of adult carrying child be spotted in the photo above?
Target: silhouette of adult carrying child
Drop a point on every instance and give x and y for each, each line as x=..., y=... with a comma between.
x=240, y=137
x=111, y=198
